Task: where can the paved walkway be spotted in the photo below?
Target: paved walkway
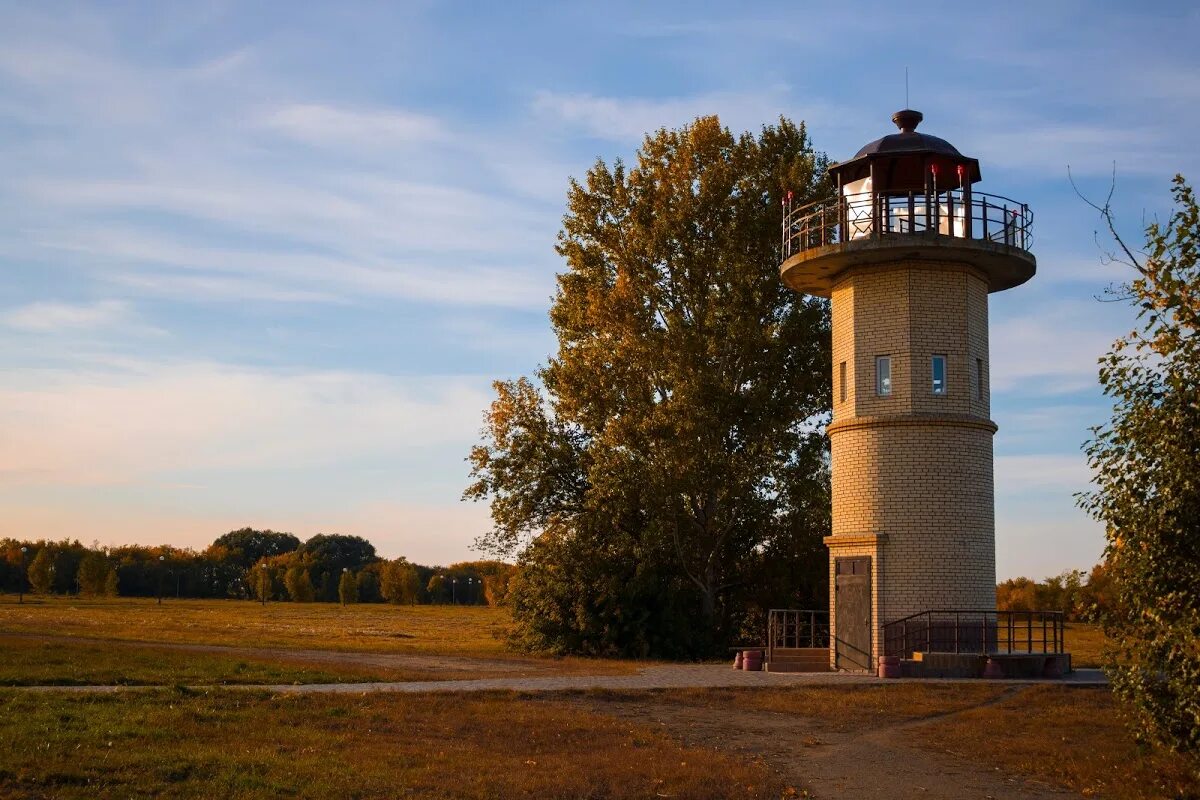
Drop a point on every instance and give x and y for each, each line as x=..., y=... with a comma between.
x=672, y=676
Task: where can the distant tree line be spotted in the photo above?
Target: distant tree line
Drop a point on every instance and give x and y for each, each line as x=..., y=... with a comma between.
x=247, y=564
x=1081, y=596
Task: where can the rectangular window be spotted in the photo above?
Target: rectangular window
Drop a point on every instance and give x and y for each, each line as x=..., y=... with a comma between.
x=939, y=374
x=842, y=382
x=979, y=379
x=883, y=375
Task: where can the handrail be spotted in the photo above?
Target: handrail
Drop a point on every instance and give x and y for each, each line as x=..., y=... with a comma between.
x=957, y=213
x=983, y=631
x=794, y=628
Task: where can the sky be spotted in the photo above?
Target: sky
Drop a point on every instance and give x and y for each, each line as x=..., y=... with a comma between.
x=262, y=261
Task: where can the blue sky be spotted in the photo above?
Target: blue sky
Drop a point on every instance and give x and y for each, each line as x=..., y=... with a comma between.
x=261, y=261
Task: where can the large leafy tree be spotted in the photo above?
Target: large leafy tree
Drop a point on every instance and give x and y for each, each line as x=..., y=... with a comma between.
x=328, y=554
x=41, y=572
x=246, y=546
x=1147, y=467
x=670, y=474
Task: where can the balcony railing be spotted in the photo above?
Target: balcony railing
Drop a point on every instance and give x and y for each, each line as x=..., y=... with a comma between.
x=793, y=628
x=870, y=215
x=983, y=632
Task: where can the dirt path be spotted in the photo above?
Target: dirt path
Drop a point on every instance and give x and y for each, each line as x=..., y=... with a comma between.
x=660, y=676
x=831, y=762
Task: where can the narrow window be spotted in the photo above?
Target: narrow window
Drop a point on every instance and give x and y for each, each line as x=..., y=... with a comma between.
x=842, y=382
x=939, y=374
x=883, y=375
x=979, y=379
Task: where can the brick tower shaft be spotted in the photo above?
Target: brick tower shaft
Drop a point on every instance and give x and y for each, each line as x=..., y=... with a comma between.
x=907, y=252
x=912, y=469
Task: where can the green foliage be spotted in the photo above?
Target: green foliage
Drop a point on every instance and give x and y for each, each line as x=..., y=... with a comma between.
x=327, y=554
x=247, y=546
x=261, y=580
x=400, y=582
x=1079, y=595
x=347, y=587
x=368, y=585
x=299, y=585
x=495, y=578
x=671, y=477
x=217, y=571
x=1146, y=462
x=93, y=575
x=40, y=574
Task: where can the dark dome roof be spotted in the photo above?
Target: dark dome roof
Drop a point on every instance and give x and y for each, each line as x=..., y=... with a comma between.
x=909, y=142
x=899, y=161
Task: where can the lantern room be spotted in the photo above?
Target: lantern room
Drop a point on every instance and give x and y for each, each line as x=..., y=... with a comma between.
x=895, y=190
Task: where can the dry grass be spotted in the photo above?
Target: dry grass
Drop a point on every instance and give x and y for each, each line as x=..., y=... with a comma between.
x=841, y=707
x=364, y=627
x=255, y=745
x=462, y=631
x=28, y=661
x=1070, y=737
x=1084, y=642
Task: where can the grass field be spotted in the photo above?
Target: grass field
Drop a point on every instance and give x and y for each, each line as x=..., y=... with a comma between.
x=253, y=744
x=1085, y=643
x=28, y=661
x=365, y=627
x=250, y=745
x=853, y=706
x=1069, y=737
x=112, y=641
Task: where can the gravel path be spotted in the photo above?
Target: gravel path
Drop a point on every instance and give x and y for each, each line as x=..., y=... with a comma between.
x=672, y=676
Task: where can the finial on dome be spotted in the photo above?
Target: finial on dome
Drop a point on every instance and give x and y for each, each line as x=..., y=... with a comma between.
x=907, y=120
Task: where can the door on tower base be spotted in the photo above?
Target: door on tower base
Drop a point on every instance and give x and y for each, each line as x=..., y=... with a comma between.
x=852, y=609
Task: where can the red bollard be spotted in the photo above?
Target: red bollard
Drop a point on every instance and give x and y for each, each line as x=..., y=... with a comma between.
x=889, y=666
x=752, y=660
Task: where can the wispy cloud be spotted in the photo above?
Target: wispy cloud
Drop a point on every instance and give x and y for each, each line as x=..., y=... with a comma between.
x=630, y=118
x=1053, y=347
x=373, y=128
x=48, y=317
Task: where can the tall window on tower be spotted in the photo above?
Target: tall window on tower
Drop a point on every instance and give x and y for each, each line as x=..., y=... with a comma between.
x=939, y=375
x=842, y=382
x=883, y=375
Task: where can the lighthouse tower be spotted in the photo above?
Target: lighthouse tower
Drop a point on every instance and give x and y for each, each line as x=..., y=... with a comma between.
x=908, y=252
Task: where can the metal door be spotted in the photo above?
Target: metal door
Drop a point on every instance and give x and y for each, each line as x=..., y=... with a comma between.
x=852, y=606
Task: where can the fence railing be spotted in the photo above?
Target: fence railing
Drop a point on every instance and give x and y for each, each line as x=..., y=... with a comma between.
x=984, y=632
x=871, y=215
x=789, y=628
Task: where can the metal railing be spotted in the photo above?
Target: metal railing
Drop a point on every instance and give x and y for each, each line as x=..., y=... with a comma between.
x=870, y=215
x=984, y=632
x=793, y=628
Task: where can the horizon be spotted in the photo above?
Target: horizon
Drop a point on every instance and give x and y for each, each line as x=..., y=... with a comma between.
x=264, y=264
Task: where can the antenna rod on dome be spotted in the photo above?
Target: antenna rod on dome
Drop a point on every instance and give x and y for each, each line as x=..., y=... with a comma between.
x=906, y=103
